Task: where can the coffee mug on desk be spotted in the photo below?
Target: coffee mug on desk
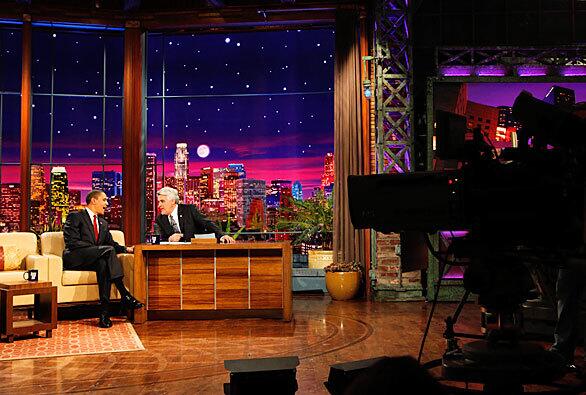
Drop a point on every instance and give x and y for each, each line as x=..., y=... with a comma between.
x=31, y=275
x=155, y=239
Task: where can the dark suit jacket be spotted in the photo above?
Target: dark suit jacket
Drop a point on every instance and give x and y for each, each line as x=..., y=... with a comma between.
x=80, y=242
x=191, y=222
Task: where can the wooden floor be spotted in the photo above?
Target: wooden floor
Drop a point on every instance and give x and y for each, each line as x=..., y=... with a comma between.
x=187, y=356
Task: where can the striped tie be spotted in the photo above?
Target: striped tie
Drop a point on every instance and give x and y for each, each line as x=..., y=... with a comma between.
x=174, y=224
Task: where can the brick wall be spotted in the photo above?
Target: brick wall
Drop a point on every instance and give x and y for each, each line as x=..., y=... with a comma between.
x=390, y=282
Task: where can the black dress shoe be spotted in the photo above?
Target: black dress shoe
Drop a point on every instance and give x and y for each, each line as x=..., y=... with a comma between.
x=131, y=303
x=105, y=321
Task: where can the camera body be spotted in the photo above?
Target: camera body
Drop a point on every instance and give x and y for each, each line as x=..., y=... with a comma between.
x=525, y=204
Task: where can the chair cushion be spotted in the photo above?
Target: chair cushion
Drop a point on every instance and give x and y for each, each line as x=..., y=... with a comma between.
x=9, y=258
x=78, y=277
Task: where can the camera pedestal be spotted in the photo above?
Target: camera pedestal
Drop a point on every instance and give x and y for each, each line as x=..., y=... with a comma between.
x=502, y=367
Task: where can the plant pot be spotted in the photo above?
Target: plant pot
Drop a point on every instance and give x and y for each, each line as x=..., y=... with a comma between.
x=318, y=259
x=342, y=285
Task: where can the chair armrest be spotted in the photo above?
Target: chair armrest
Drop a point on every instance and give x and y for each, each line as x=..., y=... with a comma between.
x=127, y=261
x=40, y=263
x=55, y=268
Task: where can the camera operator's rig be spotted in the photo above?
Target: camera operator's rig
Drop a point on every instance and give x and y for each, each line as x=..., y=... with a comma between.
x=543, y=182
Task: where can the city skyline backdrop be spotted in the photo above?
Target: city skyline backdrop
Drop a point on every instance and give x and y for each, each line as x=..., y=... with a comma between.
x=246, y=96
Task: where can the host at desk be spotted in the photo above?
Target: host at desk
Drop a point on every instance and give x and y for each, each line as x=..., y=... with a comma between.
x=179, y=222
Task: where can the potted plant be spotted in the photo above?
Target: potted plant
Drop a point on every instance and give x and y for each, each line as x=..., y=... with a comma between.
x=313, y=219
x=343, y=279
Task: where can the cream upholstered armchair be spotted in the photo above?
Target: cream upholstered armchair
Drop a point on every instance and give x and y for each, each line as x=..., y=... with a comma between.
x=78, y=285
x=27, y=251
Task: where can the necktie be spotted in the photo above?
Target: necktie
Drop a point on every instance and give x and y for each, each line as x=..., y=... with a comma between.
x=96, y=231
x=174, y=224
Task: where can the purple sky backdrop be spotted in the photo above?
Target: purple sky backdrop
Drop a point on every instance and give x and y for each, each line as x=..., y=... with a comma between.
x=264, y=99
x=504, y=93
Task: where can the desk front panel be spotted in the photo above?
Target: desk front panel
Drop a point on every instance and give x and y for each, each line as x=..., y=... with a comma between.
x=197, y=285
x=232, y=279
x=164, y=285
x=266, y=279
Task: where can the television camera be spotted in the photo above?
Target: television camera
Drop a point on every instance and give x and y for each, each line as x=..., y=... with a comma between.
x=521, y=206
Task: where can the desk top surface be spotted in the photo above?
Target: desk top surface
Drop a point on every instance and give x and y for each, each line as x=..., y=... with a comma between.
x=213, y=246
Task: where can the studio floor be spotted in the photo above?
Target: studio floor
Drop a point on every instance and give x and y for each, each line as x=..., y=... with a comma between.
x=188, y=356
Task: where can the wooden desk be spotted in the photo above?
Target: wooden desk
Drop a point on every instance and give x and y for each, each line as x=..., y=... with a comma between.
x=191, y=281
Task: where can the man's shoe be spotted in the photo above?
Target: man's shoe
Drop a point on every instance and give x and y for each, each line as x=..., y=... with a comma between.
x=131, y=303
x=105, y=321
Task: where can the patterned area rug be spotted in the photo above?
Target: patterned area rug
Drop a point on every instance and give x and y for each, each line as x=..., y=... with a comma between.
x=74, y=338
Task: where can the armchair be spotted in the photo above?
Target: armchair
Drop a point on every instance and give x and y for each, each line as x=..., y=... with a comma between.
x=78, y=285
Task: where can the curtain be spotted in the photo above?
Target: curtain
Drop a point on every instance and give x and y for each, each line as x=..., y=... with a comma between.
x=348, y=144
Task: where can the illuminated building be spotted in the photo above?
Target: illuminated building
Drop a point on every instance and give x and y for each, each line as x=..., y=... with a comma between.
x=247, y=190
x=108, y=181
x=39, y=203
x=206, y=183
x=192, y=190
x=214, y=209
x=297, y=191
x=328, y=175
x=9, y=207
x=74, y=200
x=273, y=200
x=218, y=182
x=181, y=168
x=230, y=178
x=482, y=116
x=59, y=197
x=506, y=118
x=113, y=213
x=150, y=189
x=256, y=215
x=561, y=97
x=170, y=181
x=238, y=168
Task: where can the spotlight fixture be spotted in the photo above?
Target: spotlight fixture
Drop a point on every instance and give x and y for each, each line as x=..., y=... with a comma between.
x=366, y=84
x=366, y=88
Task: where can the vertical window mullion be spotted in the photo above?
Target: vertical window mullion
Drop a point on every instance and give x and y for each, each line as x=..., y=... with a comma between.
x=163, y=115
x=103, y=112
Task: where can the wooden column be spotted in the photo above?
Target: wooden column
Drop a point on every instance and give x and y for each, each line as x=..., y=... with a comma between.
x=25, y=125
x=366, y=141
x=133, y=141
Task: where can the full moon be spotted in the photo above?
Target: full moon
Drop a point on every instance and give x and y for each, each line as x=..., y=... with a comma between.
x=203, y=151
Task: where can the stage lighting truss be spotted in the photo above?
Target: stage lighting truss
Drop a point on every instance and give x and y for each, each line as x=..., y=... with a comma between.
x=559, y=61
x=393, y=79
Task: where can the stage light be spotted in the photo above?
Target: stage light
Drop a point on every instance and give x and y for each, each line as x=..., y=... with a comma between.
x=262, y=376
x=366, y=84
x=366, y=89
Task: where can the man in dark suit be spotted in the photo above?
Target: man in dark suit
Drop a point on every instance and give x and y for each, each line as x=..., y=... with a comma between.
x=89, y=246
x=179, y=222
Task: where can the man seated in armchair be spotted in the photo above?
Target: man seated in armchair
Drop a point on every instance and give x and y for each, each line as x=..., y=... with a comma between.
x=89, y=246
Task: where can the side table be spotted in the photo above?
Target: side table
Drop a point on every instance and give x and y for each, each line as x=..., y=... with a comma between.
x=44, y=312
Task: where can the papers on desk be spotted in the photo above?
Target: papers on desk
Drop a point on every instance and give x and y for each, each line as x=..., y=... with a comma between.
x=204, y=236
x=174, y=242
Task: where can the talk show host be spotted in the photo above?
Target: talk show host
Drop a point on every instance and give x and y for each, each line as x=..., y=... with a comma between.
x=180, y=222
